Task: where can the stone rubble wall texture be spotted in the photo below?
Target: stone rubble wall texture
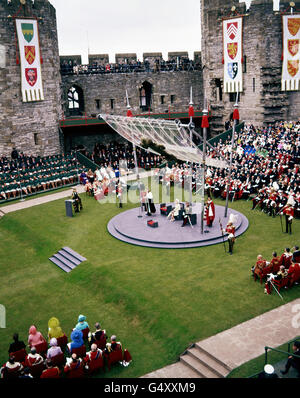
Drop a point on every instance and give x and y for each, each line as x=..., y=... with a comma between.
x=262, y=46
x=105, y=87
x=19, y=121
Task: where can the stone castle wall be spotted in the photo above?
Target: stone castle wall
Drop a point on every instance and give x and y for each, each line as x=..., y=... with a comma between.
x=100, y=89
x=20, y=121
x=262, y=100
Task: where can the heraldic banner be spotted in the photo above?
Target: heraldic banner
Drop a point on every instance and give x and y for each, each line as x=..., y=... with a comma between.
x=30, y=61
x=233, y=53
x=291, y=52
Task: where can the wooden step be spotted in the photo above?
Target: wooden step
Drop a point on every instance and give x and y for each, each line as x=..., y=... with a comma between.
x=60, y=264
x=69, y=257
x=64, y=260
x=73, y=253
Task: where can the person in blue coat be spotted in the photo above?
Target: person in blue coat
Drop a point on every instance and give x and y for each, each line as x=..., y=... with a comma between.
x=77, y=340
x=82, y=324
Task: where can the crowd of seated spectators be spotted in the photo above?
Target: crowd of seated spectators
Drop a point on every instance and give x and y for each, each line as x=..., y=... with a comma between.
x=265, y=168
x=280, y=272
x=71, y=67
x=87, y=353
x=115, y=161
x=27, y=175
x=115, y=153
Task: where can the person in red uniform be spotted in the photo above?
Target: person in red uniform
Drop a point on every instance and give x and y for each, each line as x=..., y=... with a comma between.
x=288, y=211
x=230, y=230
x=209, y=212
x=51, y=372
x=272, y=203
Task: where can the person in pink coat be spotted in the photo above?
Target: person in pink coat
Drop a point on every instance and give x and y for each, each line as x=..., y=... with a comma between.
x=35, y=337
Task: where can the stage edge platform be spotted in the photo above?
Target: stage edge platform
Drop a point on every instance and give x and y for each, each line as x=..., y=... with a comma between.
x=130, y=228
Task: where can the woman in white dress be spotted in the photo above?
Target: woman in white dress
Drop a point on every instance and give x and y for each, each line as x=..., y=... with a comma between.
x=174, y=213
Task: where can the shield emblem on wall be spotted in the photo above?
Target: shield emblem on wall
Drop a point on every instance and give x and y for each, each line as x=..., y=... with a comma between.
x=232, y=69
x=293, y=67
x=30, y=54
x=232, y=49
x=232, y=29
x=31, y=76
x=293, y=25
x=293, y=46
x=28, y=32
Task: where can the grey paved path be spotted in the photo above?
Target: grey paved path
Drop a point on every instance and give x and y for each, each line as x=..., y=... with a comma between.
x=247, y=340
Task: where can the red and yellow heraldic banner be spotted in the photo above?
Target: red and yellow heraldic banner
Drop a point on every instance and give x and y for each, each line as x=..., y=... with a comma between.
x=233, y=54
x=30, y=60
x=291, y=52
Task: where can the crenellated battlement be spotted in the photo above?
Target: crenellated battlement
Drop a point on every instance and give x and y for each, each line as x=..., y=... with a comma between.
x=130, y=58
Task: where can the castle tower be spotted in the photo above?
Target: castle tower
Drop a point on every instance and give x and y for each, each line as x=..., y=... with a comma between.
x=31, y=127
x=262, y=100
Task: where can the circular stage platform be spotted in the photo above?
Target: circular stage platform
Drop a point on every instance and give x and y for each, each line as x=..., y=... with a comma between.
x=130, y=228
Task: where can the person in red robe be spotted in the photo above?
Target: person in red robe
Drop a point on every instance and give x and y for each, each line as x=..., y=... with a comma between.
x=74, y=367
x=294, y=274
x=209, y=212
x=260, y=265
x=274, y=263
x=286, y=258
x=51, y=372
x=94, y=359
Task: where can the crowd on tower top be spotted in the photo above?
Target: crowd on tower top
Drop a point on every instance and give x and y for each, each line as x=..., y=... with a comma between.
x=71, y=67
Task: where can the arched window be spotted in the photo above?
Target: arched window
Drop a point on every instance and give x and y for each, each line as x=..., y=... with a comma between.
x=75, y=100
x=145, y=96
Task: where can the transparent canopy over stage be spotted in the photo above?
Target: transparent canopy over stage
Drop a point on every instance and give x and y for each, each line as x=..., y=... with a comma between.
x=172, y=135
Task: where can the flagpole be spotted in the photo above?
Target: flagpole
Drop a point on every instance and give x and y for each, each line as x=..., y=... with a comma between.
x=129, y=114
x=204, y=125
x=236, y=117
x=191, y=114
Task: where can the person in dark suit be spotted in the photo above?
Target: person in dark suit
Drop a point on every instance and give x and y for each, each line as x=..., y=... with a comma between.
x=77, y=201
x=186, y=214
x=296, y=255
x=293, y=361
x=17, y=345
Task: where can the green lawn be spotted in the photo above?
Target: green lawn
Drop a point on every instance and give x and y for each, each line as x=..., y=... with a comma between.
x=156, y=301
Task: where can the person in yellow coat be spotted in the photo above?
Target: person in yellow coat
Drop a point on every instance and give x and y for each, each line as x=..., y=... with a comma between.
x=54, y=329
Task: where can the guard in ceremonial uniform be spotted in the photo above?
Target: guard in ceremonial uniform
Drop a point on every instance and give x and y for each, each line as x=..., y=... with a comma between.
x=288, y=211
x=230, y=230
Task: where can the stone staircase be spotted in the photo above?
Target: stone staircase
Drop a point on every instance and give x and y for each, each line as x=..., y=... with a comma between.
x=203, y=364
